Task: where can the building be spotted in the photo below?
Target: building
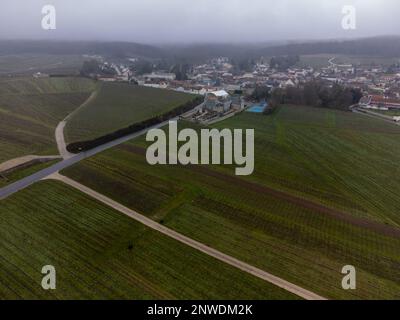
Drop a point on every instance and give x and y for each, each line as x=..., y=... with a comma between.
x=107, y=78
x=377, y=101
x=286, y=84
x=218, y=101
x=159, y=76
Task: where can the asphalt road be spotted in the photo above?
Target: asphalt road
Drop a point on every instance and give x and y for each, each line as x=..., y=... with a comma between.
x=26, y=182
x=375, y=117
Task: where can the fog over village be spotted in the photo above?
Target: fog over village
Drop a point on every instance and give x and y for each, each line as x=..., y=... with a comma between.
x=180, y=21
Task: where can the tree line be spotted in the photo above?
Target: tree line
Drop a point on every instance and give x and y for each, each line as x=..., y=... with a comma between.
x=77, y=147
x=316, y=94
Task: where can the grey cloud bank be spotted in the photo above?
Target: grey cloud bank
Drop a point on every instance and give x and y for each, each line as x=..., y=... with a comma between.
x=163, y=21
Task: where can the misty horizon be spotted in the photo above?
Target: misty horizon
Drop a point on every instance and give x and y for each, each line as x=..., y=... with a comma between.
x=176, y=22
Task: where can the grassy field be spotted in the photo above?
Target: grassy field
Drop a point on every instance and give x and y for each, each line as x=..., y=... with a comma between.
x=342, y=160
x=27, y=64
x=117, y=106
x=101, y=254
x=338, y=159
x=30, y=110
x=319, y=61
x=316, y=61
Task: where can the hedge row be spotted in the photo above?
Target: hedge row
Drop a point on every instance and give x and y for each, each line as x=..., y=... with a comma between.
x=77, y=147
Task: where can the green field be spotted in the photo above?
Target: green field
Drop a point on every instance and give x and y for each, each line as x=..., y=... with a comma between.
x=302, y=151
x=316, y=61
x=319, y=61
x=342, y=160
x=99, y=253
x=117, y=106
x=30, y=110
x=28, y=64
x=390, y=113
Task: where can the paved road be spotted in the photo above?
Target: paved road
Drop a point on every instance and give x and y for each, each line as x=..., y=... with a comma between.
x=17, y=162
x=22, y=184
x=70, y=159
x=301, y=292
x=355, y=110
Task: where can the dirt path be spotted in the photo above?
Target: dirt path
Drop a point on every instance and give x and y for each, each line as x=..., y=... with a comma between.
x=60, y=138
x=23, y=161
x=61, y=144
x=301, y=292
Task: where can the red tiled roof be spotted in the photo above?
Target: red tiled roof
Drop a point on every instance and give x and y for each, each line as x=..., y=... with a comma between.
x=376, y=99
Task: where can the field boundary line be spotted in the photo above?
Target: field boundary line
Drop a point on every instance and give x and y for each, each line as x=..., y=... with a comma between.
x=261, y=274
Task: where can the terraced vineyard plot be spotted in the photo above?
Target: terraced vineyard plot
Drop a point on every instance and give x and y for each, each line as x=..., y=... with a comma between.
x=301, y=155
x=342, y=160
x=30, y=110
x=29, y=85
x=118, y=106
x=297, y=244
x=27, y=64
x=101, y=254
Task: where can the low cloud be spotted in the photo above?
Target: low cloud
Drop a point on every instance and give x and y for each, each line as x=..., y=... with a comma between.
x=156, y=21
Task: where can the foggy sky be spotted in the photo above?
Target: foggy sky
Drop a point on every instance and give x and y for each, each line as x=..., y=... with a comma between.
x=175, y=21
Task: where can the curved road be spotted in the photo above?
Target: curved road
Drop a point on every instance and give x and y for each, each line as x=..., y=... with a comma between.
x=61, y=145
x=23, y=183
x=60, y=138
x=69, y=158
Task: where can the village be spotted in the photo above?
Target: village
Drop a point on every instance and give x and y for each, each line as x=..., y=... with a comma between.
x=228, y=91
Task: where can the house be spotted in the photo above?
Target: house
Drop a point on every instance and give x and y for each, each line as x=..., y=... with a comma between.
x=286, y=84
x=159, y=85
x=233, y=87
x=380, y=101
x=218, y=101
x=159, y=76
x=107, y=78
